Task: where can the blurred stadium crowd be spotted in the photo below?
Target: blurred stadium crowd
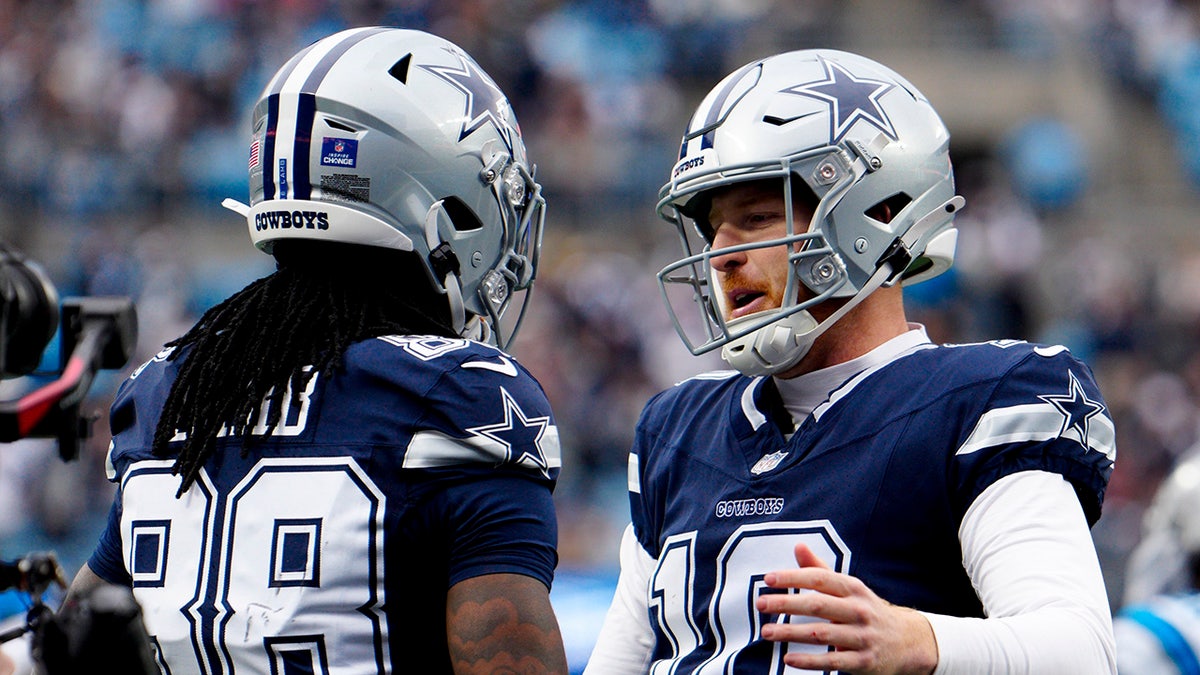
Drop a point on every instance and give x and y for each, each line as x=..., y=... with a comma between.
x=123, y=123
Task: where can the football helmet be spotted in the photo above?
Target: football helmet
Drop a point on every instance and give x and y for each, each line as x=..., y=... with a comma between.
x=397, y=138
x=1161, y=562
x=855, y=134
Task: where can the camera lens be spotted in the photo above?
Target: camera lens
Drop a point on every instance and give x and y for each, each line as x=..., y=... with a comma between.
x=28, y=315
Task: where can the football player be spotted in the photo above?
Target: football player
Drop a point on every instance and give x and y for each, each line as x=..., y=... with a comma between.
x=851, y=497
x=338, y=469
x=1158, y=628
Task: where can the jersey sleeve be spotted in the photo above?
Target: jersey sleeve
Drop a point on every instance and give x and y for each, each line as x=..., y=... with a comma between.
x=500, y=521
x=643, y=516
x=463, y=403
x=1046, y=413
x=106, y=560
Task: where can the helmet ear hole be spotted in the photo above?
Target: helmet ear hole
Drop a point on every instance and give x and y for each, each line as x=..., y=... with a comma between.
x=461, y=215
x=884, y=211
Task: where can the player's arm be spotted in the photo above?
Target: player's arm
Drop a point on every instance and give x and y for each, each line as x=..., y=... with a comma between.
x=503, y=623
x=105, y=566
x=1028, y=551
x=85, y=582
x=626, y=640
x=501, y=563
x=1030, y=555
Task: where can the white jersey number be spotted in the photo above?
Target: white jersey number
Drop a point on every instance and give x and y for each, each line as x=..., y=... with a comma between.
x=748, y=555
x=250, y=577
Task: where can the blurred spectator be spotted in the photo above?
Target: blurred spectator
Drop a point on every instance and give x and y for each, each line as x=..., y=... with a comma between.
x=123, y=126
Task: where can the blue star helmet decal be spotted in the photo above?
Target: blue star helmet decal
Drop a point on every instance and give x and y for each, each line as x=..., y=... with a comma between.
x=1077, y=410
x=521, y=436
x=485, y=103
x=851, y=99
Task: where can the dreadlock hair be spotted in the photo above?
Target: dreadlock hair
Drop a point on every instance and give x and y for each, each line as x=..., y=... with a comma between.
x=280, y=330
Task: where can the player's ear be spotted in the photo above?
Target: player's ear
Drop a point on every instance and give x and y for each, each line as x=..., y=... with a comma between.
x=887, y=209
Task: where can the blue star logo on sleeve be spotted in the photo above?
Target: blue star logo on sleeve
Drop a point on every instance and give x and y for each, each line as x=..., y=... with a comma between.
x=851, y=99
x=521, y=436
x=1077, y=410
x=485, y=103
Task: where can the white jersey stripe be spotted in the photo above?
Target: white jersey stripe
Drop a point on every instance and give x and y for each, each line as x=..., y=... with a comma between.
x=1036, y=422
x=749, y=409
x=431, y=449
x=634, y=477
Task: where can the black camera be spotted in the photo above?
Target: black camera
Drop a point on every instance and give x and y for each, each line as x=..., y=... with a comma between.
x=103, y=626
x=97, y=333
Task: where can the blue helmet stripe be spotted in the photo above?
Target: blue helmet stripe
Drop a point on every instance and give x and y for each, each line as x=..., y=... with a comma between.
x=275, y=180
x=331, y=57
x=268, y=151
x=715, y=112
x=286, y=72
x=1173, y=642
x=306, y=112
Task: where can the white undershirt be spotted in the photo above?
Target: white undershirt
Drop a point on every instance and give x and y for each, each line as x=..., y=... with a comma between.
x=1026, y=548
x=803, y=393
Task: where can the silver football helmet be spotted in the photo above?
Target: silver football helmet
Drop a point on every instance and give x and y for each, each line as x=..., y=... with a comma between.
x=858, y=136
x=397, y=138
x=1160, y=563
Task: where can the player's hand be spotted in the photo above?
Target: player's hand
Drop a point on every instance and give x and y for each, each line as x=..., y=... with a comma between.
x=868, y=634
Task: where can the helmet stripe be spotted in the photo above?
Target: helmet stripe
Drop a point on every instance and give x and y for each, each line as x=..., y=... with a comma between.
x=331, y=57
x=285, y=72
x=293, y=97
x=268, y=151
x=716, y=112
x=306, y=112
x=322, y=67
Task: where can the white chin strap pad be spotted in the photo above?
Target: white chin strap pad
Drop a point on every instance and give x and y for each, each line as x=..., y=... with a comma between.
x=772, y=348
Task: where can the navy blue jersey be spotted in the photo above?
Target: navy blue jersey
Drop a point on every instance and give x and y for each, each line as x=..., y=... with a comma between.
x=876, y=481
x=329, y=546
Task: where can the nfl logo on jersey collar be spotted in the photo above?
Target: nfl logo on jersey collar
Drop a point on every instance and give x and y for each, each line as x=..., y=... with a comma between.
x=768, y=462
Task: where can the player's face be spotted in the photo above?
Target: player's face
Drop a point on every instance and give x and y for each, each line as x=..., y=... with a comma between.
x=753, y=280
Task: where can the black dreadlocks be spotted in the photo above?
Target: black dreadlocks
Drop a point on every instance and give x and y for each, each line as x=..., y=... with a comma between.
x=279, y=330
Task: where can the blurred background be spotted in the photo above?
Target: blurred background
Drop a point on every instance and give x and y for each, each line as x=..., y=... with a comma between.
x=1076, y=137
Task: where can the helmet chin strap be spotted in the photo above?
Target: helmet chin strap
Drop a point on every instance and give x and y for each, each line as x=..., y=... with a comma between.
x=774, y=348
x=458, y=309
x=477, y=329
x=781, y=344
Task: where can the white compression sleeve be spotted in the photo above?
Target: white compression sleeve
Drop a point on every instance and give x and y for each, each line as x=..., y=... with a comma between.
x=626, y=640
x=1029, y=553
